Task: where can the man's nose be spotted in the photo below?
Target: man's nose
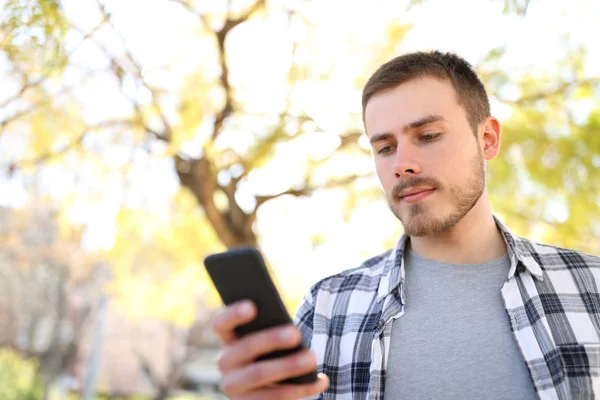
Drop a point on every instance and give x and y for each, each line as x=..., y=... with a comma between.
x=405, y=163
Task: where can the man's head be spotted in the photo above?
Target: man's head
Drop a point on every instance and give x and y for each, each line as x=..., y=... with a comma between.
x=427, y=116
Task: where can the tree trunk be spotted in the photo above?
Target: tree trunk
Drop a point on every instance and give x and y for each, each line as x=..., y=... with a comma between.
x=233, y=226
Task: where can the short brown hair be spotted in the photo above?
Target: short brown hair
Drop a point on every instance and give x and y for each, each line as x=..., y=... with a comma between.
x=470, y=91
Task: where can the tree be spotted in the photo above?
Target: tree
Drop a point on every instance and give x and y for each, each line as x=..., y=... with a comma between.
x=223, y=132
x=216, y=176
x=48, y=291
x=551, y=154
x=232, y=222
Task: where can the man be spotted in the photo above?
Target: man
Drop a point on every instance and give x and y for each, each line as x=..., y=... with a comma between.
x=461, y=308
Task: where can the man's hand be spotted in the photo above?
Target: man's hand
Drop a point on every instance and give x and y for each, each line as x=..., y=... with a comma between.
x=246, y=379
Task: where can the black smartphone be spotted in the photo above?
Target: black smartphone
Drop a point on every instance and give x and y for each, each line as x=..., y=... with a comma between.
x=240, y=274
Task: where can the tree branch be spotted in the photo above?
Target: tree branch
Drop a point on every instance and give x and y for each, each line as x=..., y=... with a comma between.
x=74, y=143
x=164, y=136
x=193, y=11
x=349, y=139
x=134, y=69
x=18, y=115
x=46, y=75
x=148, y=370
x=42, y=79
x=221, y=35
x=308, y=190
x=5, y=122
x=162, y=387
x=199, y=177
x=232, y=23
x=260, y=200
x=541, y=95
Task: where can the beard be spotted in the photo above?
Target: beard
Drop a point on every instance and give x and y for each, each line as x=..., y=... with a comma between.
x=421, y=220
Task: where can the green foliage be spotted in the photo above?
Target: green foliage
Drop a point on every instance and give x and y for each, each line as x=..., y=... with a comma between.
x=544, y=182
x=546, y=178
x=263, y=150
x=156, y=262
x=51, y=124
x=18, y=377
x=33, y=34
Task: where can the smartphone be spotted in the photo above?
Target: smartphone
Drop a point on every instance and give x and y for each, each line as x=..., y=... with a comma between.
x=240, y=274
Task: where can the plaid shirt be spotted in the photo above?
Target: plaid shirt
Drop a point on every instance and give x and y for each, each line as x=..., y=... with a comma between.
x=551, y=297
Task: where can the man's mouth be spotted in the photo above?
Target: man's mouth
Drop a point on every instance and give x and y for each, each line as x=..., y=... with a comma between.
x=413, y=195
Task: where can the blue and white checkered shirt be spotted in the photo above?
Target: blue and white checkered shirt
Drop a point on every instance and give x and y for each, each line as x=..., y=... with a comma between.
x=551, y=297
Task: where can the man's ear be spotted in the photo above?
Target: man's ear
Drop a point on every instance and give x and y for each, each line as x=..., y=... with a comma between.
x=490, y=137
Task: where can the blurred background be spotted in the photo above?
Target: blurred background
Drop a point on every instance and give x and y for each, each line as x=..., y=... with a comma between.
x=139, y=136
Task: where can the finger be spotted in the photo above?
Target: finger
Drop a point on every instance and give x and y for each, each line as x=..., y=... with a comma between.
x=230, y=317
x=268, y=372
x=250, y=347
x=291, y=392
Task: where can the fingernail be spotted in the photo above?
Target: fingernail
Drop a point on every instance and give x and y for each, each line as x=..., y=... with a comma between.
x=245, y=308
x=305, y=360
x=287, y=335
x=323, y=379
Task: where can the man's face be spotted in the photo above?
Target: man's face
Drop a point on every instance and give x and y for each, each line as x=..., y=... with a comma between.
x=426, y=155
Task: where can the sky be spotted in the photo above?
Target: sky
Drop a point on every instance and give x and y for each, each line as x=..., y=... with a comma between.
x=160, y=33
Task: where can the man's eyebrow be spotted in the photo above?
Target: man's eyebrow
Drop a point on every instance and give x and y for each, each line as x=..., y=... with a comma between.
x=413, y=125
x=378, y=137
x=424, y=121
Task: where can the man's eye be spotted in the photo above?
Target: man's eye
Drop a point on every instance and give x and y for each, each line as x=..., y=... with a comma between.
x=429, y=137
x=385, y=150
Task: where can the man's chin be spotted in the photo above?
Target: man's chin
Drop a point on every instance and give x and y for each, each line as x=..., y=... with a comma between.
x=422, y=224
x=426, y=225
x=418, y=230
x=416, y=219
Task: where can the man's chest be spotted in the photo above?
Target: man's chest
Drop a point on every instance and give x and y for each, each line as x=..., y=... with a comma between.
x=555, y=334
x=454, y=340
x=555, y=322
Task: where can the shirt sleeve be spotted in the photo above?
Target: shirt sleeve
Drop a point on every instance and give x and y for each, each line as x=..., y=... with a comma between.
x=304, y=318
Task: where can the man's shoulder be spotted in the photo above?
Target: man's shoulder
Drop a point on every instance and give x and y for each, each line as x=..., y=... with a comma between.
x=365, y=277
x=552, y=256
x=351, y=290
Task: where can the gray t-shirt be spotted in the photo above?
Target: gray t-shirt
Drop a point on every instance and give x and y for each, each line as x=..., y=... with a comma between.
x=454, y=340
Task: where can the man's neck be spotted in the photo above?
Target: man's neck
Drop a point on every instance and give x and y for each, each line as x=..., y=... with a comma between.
x=475, y=239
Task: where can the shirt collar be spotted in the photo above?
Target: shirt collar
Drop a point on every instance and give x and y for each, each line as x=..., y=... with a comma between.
x=519, y=250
